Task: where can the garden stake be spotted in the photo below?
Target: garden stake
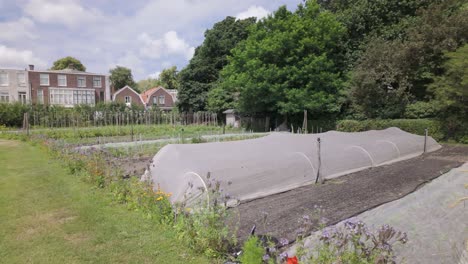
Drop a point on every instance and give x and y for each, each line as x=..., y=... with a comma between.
x=425, y=139
x=319, y=161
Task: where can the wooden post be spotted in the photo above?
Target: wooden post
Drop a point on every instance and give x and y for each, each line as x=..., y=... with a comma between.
x=304, y=123
x=425, y=140
x=26, y=123
x=319, y=161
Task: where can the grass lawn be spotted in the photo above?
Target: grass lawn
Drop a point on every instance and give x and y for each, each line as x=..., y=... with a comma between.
x=50, y=216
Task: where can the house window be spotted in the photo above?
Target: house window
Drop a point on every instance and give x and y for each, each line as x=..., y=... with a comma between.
x=4, y=97
x=21, y=79
x=44, y=79
x=62, y=80
x=84, y=97
x=81, y=81
x=22, y=97
x=155, y=100
x=3, y=79
x=40, y=96
x=70, y=97
x=128, y=99
x=161, y=99
x=97, y=82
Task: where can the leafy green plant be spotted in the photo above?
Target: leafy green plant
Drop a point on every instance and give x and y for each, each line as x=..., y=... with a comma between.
x=252, y=251
x=204, y=226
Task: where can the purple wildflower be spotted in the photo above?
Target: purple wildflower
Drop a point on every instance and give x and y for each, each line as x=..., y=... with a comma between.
x=283, y=255
x=283, y=241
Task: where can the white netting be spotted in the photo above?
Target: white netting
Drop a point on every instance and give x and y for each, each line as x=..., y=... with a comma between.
x=437, y=230
x=279, y=162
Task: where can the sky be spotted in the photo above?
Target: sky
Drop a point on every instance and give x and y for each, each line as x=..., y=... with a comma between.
x=146, y=36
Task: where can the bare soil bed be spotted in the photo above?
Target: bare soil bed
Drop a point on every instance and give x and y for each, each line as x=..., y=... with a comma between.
x=346, y=196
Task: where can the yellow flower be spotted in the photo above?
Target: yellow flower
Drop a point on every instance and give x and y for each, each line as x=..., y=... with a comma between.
x=159, y=198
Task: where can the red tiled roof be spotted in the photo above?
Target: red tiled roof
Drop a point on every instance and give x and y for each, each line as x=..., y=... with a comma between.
x=146, y=94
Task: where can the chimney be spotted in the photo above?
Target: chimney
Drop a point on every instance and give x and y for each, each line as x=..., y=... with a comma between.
x=71, y=66
x=31, y=67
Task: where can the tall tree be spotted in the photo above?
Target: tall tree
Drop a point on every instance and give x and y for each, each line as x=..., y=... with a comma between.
x=169, y=78
x=289, y=62
x=146, y=84
x=451, y=92
x=201, y=74
x=66, y=62
x=364, y=20
x=121, y=76
x=392, y=73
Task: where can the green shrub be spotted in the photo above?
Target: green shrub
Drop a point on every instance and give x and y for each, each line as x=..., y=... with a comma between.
x=414, y=126
x=11, y=114
x=204, y=228
x=252, y=251
x=420, y=110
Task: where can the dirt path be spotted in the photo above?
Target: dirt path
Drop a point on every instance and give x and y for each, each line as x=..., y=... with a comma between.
x=346, y=196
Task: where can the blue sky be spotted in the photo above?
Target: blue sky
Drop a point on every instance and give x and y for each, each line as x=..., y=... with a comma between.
x=144, y=35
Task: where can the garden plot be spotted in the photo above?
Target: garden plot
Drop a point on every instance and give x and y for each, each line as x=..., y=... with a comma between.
x=437, y=227
x=134, y=158
x=344, y=197
x=180, y=140
x=251, y=169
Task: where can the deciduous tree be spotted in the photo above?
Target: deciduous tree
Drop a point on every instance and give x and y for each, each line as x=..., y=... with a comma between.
x=202, y=73
x=66, y=62
x=289, y=62
x=121, y=76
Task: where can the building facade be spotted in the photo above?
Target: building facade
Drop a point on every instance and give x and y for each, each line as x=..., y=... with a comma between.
x=128, y=96
x=14, y=86
x=164, y=99
x=68, y=87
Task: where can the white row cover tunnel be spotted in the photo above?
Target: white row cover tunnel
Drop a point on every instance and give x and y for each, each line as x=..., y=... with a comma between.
x=279, y=162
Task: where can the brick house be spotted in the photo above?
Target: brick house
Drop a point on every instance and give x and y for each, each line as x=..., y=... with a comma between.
x=68, y=87
x=164, y=99
x=14, y=86
x=128, y=96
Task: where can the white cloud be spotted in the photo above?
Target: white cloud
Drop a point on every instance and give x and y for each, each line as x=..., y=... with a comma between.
x=132, y=61
x=10, y=57
x=67, y=12
x=254, y=11
x=154, y=75
x=19, y=29
x=169, y=44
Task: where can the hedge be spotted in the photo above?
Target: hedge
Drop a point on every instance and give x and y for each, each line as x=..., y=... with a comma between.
x=414, y=126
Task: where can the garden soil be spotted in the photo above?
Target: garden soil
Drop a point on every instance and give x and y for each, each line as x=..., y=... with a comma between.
x=335, y=200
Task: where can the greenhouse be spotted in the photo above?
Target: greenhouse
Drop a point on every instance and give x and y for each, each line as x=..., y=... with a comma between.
x=279, y=162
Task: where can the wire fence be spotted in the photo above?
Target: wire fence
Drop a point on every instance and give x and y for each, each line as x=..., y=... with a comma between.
x=58, y=119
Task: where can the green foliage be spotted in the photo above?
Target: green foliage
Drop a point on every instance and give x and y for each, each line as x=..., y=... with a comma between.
x=421, y=109
x=204, y=226
x=289, y=62
x=252, y=251
x=140, y=196
x=169, y=78
x=121, y=76
x=379, y=88
x=451, y=93
x=365, y=20
x=147, y=84
x=414, y=126
x=66, y=62
x=220, y=99
x=12, y=114
x=391, y=73
x=202, y=73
